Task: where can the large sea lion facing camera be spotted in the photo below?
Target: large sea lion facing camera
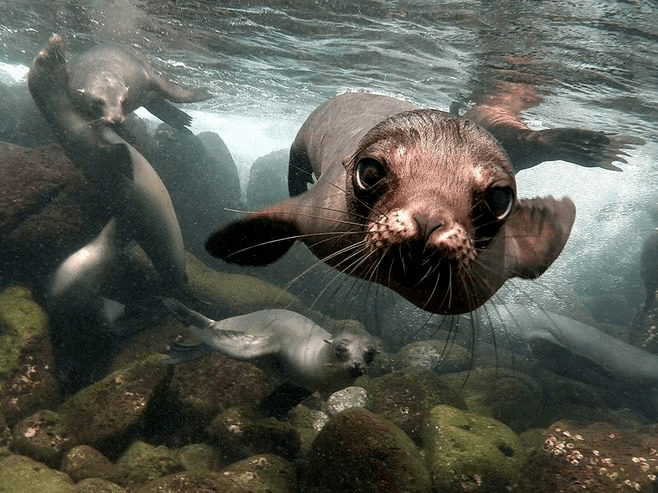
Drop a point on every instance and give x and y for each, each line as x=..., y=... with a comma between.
x=418, y=200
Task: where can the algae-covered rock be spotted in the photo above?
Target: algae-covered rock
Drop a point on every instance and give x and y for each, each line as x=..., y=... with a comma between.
x=241, y=435
x=406, y=397
x=97, y=485
x=467, y=452
x=84, y=462
x=266, y=472
x=199, y=457
x=359, y=451
x=106, y=414
x=20, y=474
x=44, y=437
x=239, y=293
x=142, y=463
x=27, y=378
x=186, y=482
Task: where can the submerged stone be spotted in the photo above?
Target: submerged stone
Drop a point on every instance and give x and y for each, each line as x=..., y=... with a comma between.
x=467, y=452
x=44, y=437
x=142, y=463
x=20, y=474
x=360, y=451
x=83, y=462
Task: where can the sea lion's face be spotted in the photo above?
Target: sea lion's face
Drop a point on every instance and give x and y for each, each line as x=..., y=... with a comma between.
x=102, y=98
x=434, y=192
x=351, y=355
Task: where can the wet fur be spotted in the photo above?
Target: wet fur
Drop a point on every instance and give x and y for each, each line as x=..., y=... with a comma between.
x=426, y=232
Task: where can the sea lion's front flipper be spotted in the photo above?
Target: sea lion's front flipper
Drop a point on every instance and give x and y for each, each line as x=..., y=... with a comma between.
x=181, y=352
x=535, y=235
x=258, y=239
x=166, y=111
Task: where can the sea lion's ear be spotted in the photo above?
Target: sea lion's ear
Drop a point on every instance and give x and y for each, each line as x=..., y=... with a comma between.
x=535, y=235
x=258, y=239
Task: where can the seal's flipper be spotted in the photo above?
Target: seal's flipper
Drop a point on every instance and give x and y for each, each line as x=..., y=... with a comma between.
x=182, y=353
x=535, y=235
x=177, y=93
x=281, y=400
x=258, y=239
x=167, y=112
x=185, y=314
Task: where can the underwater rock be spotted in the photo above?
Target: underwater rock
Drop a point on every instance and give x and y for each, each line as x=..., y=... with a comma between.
x=433, y=353
x=27, y=370
x=597, y=458
x=97, y=485
x=644, y=329
x=83, y=462
x=308, y=423
x=347, y=398
x=405, y=397
x=20, y=474
x=47, y=211
x=130, y=391
x=467, y=452
x=268, y=179
x=44, y=437
x=235, y=293
x=201, y=389
x=240, y=435
x=360, y=451
x=21, y=121
x=201, y=178
x=266, y=472
x=198, y=457
x=142, y=463
x=5, y=433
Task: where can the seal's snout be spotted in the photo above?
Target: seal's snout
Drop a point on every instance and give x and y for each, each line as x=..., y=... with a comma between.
x=428, y=224
x=357, y=369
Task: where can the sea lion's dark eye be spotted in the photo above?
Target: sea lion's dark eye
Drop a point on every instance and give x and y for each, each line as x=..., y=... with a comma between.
x=369, y=357
x=341, y=350
x=368, y=174
x=499, y=200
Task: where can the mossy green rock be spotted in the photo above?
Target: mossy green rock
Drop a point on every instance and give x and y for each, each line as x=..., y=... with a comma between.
x=199, y=457
x=435, y=353
x=21, y=320
x=143, y=462
x=27, y=378
x=108, y=413
x=20, y=474
x=43, y=437
x=97, y=485
x=467, y=452
x=360, y=451
x=83, y=462
x=267, y=473
x=237, y=292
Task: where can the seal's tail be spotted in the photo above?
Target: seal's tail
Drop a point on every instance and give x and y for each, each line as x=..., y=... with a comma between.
x=185, y=314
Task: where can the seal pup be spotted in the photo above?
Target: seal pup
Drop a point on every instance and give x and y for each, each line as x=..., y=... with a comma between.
x=419, y=200
x=281, y=341
x=125, y=183
x=107, y=82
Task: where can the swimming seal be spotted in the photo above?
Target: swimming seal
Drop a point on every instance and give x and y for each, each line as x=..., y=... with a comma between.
x=418, y=200
x=107, y=82
x=125, y=183
x=284, y=342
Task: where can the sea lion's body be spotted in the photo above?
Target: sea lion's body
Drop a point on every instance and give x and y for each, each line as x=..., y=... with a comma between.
x=124, y=181
x=421, y=201
x=108, y=82
x=301, y=352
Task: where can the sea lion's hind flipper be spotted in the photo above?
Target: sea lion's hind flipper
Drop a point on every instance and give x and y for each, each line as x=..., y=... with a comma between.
x=535, y=235
x=186, y=315
x=181, y=352
x=178, y=93
x=167, y=112
x=281, y=400
x=583, y=147
x=258, y=239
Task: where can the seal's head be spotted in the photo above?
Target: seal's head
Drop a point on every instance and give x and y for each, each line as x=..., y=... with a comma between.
x=103, y=97
x=347, y=357
x=427, y=206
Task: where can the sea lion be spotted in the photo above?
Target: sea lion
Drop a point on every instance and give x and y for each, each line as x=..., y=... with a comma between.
x=107, y=82
x=281, y=341
x=124, y=181
x=418, y=200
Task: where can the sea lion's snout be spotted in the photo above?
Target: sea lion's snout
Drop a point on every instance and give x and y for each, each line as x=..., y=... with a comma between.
x=357, y=369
